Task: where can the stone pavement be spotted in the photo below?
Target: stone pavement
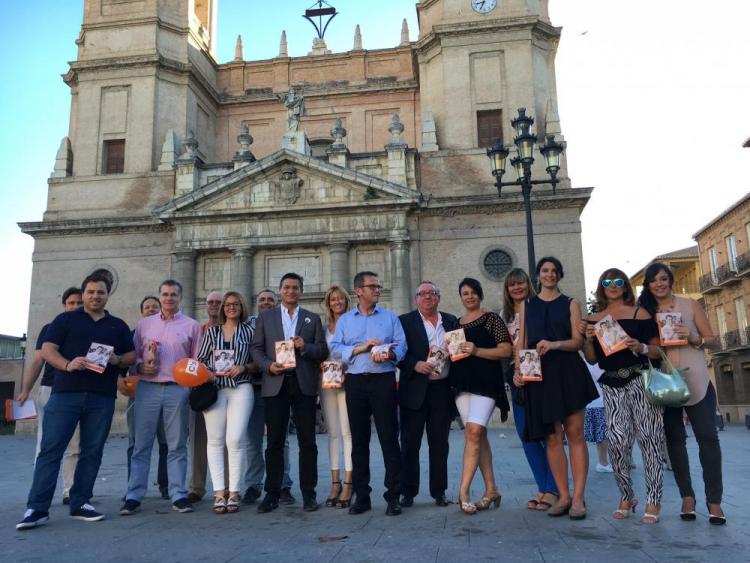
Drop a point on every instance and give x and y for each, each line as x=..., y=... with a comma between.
x=424, y=532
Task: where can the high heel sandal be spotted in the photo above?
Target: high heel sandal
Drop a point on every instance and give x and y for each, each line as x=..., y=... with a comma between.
x=688, y=516
x=345, y=502
x=233, y=504
x=649, y=518
x=331, y=501
x=220, y=505
x=487, y=501
x=622, y=513
x=714, y=519
x=467, y=507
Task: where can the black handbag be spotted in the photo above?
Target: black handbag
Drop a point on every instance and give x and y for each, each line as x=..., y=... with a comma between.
x=203, y=396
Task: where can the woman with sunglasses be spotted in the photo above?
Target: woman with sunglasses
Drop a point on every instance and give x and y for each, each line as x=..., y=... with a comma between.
x=559, y=400
x=517, y=289
x=227, y=418
x=628, y=414
x=657, y=297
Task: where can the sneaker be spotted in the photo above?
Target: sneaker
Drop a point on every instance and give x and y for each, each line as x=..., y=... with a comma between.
x=87, y=513
x=182, y=505
x=130, y=507
x=33, y=518
x=603, y=468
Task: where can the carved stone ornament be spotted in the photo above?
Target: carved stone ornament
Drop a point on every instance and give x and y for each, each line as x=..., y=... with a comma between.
x=287, y=188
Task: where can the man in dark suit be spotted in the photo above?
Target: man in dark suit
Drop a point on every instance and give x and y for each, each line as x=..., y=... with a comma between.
x=292, y=388
x=425, y=396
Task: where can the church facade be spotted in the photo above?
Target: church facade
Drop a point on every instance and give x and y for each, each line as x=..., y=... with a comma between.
x=225, y=176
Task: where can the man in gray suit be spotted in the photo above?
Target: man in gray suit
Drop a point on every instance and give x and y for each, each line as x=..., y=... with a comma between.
x=290, y=388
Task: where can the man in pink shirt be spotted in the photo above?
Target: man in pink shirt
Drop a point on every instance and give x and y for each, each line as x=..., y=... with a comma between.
x=177, y=336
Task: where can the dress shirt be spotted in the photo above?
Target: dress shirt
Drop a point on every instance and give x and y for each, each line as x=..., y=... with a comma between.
x=178, y=337
x=436, y=337
x=354, y=329
x=289, y=322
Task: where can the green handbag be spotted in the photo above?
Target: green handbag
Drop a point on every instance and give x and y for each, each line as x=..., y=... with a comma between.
x=665, y=387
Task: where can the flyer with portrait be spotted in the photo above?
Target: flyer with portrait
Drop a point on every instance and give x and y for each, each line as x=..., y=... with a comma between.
x=332, y=374
x=223, y=361
x=285, y=354
x=98, y=356
x=16, y=411
x=151, y=353
x=381, y=351
x=453, y=340
x=530, y=365
x=610, y=335
x=667, y=323
x=438, y=357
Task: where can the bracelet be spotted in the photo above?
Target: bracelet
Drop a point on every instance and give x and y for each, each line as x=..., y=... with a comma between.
x=644, y=349
x=700, y=344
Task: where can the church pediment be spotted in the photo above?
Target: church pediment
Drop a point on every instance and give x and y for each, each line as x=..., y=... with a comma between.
x=286, y=181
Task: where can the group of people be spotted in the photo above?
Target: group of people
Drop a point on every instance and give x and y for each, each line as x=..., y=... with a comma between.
x=256, y=393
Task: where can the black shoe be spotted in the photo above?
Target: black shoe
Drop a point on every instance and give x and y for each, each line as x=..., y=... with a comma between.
x=440, y=500
x=268, y=504
x=182, y=505
x=406, y=501
x=393, y=508
x=192, y=498
x=309, y=503
x=130, y=507
x=285, y=496
x=66, y=499
x=164, y=493
x=86, y=512
x=251, y=495
x=360, y=506
x=32, y=519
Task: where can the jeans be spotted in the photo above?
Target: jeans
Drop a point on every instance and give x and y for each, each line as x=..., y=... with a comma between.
x=70, y=459
x=226, y=426
x=161, y=437
x=256, y=462
x=152, y=402
x=702, y=418
x=536, y=452
x=93, y=412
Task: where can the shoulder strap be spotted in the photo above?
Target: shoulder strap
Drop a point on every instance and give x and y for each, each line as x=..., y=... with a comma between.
x=636, y=311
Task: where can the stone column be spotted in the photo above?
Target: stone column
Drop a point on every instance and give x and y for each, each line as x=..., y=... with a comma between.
x=242, y=272
x=339, y=253
x=183, y=270
x=400, y=276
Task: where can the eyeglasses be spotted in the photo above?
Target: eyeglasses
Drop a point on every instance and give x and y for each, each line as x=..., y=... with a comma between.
x=619, y=282
x=232, y=306
x=373, y=286
x=218, y=302
x=428, y=294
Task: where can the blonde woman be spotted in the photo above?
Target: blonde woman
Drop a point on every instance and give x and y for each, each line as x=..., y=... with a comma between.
x=333, y=402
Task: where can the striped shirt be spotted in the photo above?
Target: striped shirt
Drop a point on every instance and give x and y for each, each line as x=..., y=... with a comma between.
x=213, y=339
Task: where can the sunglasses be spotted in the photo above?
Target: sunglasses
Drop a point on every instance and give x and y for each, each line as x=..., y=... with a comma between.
x=619, y=282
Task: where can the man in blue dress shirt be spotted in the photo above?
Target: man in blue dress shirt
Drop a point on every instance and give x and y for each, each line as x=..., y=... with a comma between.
x=370, y=341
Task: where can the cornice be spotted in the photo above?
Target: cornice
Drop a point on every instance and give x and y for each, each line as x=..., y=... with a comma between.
x=100, y=226
x=325, y=90
x=490, y=204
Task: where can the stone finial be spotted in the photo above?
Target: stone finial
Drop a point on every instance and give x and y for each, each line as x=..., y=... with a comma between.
x=244, y=139
x=189, y=146
x=64, y=160
x=357, y=39
x=319, y=47
x=429, y=133
x=168, y=151
x=283, y=50
x=552, y=120
x=338, y=133
x=404, y=34
x=396, y=128
x=238, y=56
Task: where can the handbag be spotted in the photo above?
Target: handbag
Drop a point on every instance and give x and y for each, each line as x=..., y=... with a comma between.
x=203, y=396
x=665, y=386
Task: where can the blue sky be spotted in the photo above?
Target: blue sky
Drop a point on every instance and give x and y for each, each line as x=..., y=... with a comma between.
x=653, y=101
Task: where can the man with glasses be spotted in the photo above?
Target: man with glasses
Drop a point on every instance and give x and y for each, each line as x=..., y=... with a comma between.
x=370, y=341
x=425, y=396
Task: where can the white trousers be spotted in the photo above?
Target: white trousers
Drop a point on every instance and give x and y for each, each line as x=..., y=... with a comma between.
x=70, y=459
x=474, y=408
x=336, y=418
x=226, y=426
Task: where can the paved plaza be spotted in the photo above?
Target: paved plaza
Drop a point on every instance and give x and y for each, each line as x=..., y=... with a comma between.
x=424, y=532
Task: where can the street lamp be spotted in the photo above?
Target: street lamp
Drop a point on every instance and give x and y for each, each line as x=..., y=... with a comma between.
x=524, y=141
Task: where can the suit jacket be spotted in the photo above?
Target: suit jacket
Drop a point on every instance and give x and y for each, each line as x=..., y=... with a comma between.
x=412, y=386
x=269, y=329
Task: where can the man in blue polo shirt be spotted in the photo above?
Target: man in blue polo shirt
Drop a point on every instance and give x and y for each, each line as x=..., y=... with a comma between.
x=370, y=341
x=79, y=396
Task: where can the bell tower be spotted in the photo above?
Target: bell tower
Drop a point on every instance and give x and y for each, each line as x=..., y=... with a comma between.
x=481, y=60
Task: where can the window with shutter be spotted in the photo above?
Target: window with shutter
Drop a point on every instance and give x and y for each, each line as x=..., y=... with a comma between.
x=489, y=127
x=114, y=156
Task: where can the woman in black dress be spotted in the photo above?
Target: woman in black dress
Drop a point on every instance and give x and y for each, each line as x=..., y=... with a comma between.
x=628, y=414
x=479, y=383
x=561, y=398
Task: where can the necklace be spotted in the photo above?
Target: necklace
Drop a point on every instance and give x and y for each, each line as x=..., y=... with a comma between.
x=666, y=308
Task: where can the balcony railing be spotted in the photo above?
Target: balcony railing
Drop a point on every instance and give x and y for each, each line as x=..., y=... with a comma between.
x=735, y=339
x=742, y=264
x=726, y=274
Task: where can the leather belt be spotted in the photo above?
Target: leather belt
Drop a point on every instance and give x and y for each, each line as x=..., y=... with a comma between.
x=624, y=373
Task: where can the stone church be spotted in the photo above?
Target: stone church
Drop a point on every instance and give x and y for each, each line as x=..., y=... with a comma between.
x=227, y=175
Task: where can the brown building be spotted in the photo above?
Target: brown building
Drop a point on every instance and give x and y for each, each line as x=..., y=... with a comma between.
x=685, y=266
x=724, y=245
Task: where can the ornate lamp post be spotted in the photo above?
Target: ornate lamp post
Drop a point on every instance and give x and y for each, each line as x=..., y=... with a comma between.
x=524, y=141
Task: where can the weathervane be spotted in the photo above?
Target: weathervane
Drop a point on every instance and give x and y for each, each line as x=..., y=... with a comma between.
x=319, y=12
